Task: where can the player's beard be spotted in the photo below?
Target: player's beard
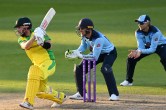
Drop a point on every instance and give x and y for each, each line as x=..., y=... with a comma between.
x=22, y=33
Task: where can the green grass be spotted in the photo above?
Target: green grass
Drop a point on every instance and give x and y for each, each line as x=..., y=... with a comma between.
x=114, y=18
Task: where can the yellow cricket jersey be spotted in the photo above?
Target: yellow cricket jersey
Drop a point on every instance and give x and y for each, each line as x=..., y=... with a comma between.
x=37, y=54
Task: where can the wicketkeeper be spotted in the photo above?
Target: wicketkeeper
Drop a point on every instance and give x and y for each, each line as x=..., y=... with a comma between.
x=37, y=46
x=102, y=50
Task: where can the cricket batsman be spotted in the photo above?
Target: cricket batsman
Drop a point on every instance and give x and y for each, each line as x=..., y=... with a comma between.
x=37, y=46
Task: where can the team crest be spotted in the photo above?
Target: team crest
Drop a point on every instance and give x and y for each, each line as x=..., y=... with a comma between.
x=156, y=39
x=98, y=45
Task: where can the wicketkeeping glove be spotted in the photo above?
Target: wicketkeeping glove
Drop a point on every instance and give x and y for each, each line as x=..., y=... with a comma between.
x=72, y=54
x=39, y=35
x=78, y=54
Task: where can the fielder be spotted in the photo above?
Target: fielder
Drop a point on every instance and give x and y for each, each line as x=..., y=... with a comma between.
x=37, y=46
x=149, y=40
x=102, y=50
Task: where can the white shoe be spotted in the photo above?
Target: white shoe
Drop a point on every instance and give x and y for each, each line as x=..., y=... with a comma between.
x=26, y=105
x=126, y=83
x=55, y=104
x=114, y=97
x=76, y=96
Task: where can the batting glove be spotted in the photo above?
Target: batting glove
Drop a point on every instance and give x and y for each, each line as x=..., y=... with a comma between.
x=39, y=35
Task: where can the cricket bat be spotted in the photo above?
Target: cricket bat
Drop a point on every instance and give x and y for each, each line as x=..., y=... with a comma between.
x=47, y=19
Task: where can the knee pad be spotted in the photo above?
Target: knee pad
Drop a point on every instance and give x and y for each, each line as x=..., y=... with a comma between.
x=34, y=73
x=106, y=69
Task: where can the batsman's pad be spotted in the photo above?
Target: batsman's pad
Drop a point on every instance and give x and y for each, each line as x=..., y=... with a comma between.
x=59, y=98
x=43, y=86
x=32, y=84
x=35, y=73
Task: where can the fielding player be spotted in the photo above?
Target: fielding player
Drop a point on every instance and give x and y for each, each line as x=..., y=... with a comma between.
x=37, y=47
x=149, y=40
x=102, y=50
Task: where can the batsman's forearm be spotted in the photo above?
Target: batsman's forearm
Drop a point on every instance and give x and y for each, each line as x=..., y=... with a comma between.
x=28, y=44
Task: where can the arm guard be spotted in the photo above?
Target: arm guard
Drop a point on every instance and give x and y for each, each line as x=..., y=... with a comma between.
x=46, y=45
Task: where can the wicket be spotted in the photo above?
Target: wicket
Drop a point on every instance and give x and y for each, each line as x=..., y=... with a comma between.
x=89, y=99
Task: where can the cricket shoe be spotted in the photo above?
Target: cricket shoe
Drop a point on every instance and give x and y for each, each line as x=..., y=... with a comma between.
x=114, y=97
x=126, y=83
x=26, y=105
x=77, y=96
x=55, y=104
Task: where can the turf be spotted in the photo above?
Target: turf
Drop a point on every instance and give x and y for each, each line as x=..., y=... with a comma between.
x=114, y=18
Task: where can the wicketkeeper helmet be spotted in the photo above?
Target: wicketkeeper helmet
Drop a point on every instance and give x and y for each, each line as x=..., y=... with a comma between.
x=85, y=23
x=23, y=22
